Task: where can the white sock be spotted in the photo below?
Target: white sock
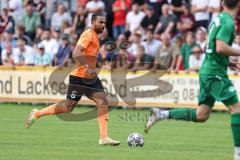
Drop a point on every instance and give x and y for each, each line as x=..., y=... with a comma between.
x=162, y=114
x=237, y=153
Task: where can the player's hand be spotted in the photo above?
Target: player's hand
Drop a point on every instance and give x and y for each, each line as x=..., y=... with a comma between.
x=234, y=65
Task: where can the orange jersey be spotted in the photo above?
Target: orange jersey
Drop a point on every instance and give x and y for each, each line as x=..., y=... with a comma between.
x=90, y=42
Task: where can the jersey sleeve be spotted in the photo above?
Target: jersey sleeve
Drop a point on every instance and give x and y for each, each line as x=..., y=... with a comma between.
x=225, y=33
x=85, y=39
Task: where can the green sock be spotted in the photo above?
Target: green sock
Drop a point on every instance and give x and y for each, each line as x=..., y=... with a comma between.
x=185, y=114
x=235, y=123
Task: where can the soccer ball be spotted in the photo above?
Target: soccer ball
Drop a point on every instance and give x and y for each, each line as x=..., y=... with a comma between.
x=135, y=140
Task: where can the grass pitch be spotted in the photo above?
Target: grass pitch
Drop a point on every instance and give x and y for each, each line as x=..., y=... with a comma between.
x=53, y=139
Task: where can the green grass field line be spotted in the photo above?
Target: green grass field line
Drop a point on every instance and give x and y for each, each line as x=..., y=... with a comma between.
x=53, y=139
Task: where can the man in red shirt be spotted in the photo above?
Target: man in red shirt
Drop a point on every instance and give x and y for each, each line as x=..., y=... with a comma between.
x=120, y=8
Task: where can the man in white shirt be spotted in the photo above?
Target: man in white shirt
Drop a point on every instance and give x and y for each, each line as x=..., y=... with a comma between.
x=8, y=55
x=24, y=54
x=94, y=6
x=136, y=42
x=214, y=7
x=151, y=45
x=134, y=18
x=50, y=44
x=200, y=11
x=196, y=59
x=201, y=38
x=60, y=16
x=16, y=8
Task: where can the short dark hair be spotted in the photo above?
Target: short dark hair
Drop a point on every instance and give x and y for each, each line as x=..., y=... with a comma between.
x=149, y=30
x=95, y=15
x=231, y=3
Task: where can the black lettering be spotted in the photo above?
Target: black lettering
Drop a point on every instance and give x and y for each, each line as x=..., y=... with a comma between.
x=122, y=87
x=37, y=88
x=54, y=86
x=2, y=86
x=185, y=94
x=45, y=86
x=62, y=88
x=8, y=86
x=29, y=87
x=19, y=86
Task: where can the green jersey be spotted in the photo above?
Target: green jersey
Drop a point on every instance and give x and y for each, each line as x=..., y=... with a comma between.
x=222, y=28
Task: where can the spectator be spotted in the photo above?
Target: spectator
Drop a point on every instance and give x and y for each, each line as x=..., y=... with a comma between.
x=176, y=53
x=120, y=8
x=39, y=6
x=8, y=55
x=150, y=20
x=56, y=34
x=108, y=56
x=165, y=53
x=64, y=51
x=166, y=22
x=50, y=44
x=42, y=58
x=136, y=42
x=186, y=22
x=151, y=45
x=94, y=6
x=6, y=22
x=196, y=59
x=7, y=37
x=104, y=37
x=157, y=5
x=109, y=16
x=214, y=8
x=51, y=7
x=143, y=61
x=186, y=51
x=82, y=3
x=39, y=34
x=125, y=59
x=134, y=18
x=201, y=38
x=60, y=16
x=236, y=43
x=31, y=20
x=16, y=9
x=199, y=9
x=79, y=21
x=20, y=34
x=24, y=54
x=178, y=7
x=66, y=28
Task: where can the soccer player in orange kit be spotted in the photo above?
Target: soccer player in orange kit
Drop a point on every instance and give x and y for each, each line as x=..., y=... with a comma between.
x=84, y=80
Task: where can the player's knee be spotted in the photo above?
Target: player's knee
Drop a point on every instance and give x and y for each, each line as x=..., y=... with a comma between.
x=202, y=117
x=102, y=102
x=235, y=109
x=70, y=106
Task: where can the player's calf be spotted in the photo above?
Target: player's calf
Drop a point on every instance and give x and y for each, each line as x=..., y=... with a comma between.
x=235, y=125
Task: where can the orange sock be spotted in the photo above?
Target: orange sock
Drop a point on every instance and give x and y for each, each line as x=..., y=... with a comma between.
x=53, y=109
x=103, y=121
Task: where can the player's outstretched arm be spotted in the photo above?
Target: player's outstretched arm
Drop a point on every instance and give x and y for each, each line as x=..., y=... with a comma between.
x=225, y=49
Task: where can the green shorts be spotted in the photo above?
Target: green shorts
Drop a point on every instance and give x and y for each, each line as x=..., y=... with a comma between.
x=216, y=88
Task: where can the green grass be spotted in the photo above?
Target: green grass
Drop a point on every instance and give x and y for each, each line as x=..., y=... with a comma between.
x=54, y=139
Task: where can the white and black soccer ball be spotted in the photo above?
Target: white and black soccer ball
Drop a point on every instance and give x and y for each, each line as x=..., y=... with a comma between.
x=135, y=140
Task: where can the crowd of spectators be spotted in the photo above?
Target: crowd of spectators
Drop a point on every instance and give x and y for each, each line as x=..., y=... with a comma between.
x=148, y=34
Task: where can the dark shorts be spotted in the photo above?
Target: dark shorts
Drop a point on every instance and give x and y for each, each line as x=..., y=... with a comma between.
x=79, y=86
